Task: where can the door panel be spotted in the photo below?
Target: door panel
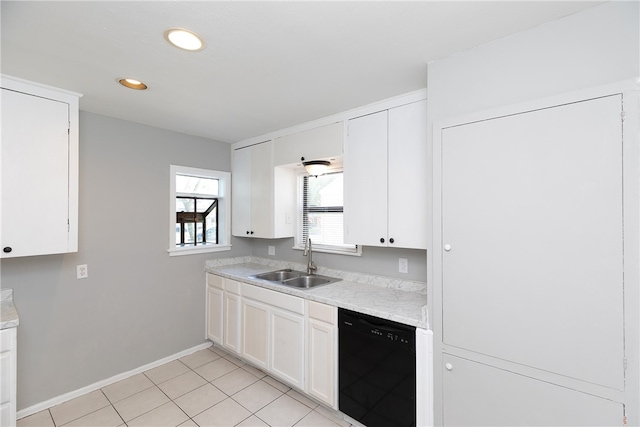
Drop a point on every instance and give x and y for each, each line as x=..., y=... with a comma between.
x=532, y=211
x=479, y=395
x=35, y=174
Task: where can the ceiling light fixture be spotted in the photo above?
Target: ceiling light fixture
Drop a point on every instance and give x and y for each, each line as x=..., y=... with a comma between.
x=184, y=39
x=316, y=167
x=132, y=84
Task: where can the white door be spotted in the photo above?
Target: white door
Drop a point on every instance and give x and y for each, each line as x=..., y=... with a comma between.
x=241, y=192
x=407, y=175
x=365, y=181
x=232, y=316
x=262, y=190
x=287, y=347
x=479, y=395
x=255, y=332
x=321, y=361
x=532, y=239
x=215, y=319
x=35, y=175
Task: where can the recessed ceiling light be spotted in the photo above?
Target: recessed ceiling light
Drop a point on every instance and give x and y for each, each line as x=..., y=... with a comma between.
x=184, y=39
x=132, y=84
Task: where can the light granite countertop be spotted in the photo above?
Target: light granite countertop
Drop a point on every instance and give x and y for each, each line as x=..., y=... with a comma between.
x=394, y=299
x=8, y=312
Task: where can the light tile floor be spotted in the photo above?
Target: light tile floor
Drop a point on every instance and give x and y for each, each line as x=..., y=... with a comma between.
x=207, y=388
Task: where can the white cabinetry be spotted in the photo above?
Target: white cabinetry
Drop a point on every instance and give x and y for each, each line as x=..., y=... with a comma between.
x=215, y=308
x=273, y=332
x=232, y=316
x=8, y=349
x=292, y=339
x=385, y=174
x=39, y=169
x=263, y=197
x=532, y=261
x=223, y=312
x=322, y=353
x=255, y=330
x=315, y=144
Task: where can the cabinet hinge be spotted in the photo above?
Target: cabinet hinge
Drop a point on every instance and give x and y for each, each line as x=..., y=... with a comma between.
x=622, y=115
x=624, y=363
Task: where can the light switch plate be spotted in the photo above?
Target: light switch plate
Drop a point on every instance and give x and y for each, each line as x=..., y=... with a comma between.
x=272, y=250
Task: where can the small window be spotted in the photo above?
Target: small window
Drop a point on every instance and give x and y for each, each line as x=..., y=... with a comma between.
x=199, y=211
x=320, y=214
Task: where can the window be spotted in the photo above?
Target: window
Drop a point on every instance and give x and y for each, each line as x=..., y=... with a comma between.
x=199, y=215
x=320, y=214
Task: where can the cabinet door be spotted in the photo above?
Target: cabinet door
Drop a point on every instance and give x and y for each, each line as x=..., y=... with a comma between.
x=232, y=321
x=321, y=358
x=480, y=395
x=215, y=314
x=255, y=332
x=241, y=192
x=532, y=233
x=365, y=181
x=262, y=190
x=408, y=173
x=35, y=175
x=287, y=347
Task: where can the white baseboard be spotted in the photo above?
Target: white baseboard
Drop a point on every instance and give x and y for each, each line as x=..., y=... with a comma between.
x=100, y=384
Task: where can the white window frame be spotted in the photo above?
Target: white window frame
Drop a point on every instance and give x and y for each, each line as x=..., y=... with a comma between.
x=224, y=211
x=298, y=244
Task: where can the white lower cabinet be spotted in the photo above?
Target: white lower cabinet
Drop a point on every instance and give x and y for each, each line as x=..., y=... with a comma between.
x=223, y=312
x=232, y=316
x=288, y=337
x=287, y=346
x=255, y=328
x=215, y=308
x=322, y=353
x=8, y=347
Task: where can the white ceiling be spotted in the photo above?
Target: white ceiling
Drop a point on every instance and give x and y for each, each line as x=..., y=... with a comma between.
x=267, y=65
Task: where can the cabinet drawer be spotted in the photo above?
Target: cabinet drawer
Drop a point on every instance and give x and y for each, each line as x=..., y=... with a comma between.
x=323, y=312
x=215, y=281
x=6, y=340
x=232, y=286
x=273, y=298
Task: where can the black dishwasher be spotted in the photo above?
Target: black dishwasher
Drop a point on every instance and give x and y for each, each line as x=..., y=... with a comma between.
x=377, y=370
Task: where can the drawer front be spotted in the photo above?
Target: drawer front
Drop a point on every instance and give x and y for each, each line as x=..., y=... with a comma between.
x=323, y=312
x=215, y=281
x=232, y=286
x=273, y=298
x=6, y=339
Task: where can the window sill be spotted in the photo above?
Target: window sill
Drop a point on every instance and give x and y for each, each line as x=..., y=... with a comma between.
x=193, y=250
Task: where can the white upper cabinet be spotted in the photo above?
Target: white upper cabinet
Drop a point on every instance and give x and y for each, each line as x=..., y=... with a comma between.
x=319, y=143
x=39, y=169
x=385, y=177
x=263, y=197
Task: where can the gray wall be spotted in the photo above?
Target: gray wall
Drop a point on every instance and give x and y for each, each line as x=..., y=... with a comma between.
x=138, y=304
x=374, y=260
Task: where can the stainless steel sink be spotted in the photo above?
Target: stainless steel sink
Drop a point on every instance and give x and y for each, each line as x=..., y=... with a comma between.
x=278, y=276
x=295, y=279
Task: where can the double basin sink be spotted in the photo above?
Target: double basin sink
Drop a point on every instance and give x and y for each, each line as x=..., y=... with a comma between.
x=295, y=279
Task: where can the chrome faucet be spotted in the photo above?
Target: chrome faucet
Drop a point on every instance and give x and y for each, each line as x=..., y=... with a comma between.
x=308, y=252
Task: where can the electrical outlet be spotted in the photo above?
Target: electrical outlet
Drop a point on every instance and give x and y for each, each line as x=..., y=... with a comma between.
x=83, y=271
x=272, y=250
x=403, y=265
